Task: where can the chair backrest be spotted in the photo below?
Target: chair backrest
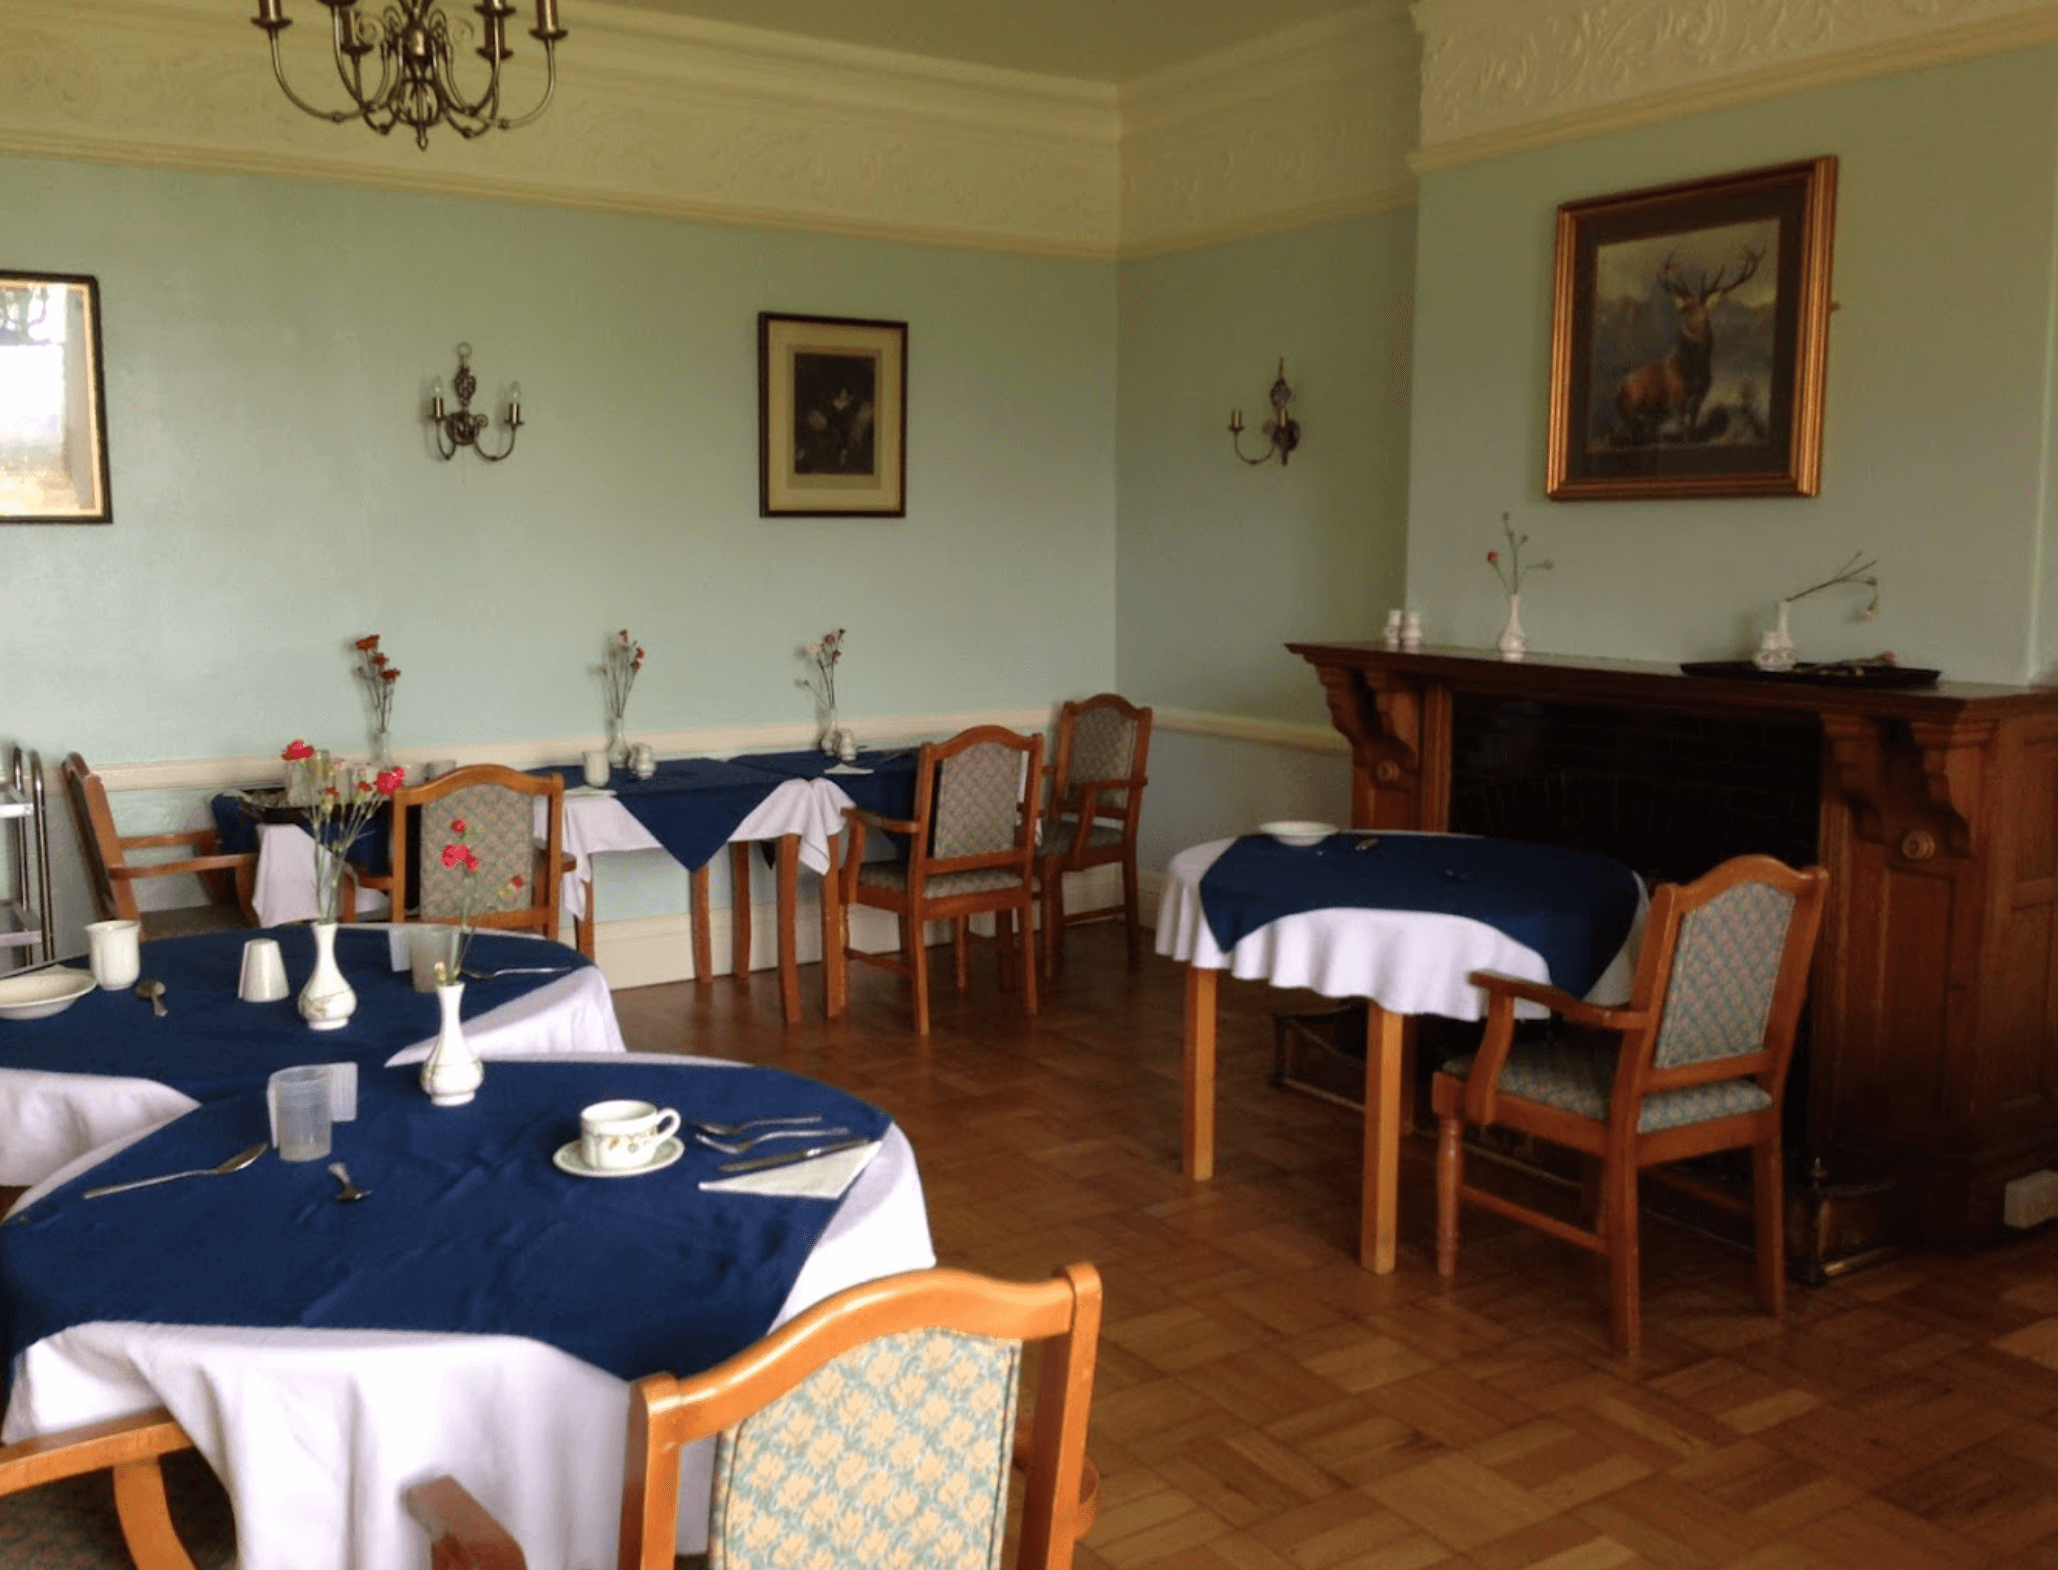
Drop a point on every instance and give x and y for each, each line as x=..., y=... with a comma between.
x=497, y=806
x=1723, y=973
x=975, y=802
x=879, y=1426
x=1102, y=741
x=99, y=840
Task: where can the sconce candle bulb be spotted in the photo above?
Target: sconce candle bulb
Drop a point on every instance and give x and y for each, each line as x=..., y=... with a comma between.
x=1282, y=431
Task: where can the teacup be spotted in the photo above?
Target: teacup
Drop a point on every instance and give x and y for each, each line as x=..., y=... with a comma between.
x=616, y=1135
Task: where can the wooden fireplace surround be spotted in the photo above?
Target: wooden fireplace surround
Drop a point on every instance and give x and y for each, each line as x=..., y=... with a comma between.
x=1934, y=1002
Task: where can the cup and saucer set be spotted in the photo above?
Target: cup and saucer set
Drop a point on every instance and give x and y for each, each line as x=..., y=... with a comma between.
x=622, y=1139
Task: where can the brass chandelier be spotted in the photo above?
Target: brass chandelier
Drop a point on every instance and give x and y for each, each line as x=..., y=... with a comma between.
x=416, y=84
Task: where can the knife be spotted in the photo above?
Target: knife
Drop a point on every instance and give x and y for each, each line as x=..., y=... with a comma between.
x=791, y=1158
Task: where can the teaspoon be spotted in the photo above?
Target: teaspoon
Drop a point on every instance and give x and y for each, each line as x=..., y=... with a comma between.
x=235, y=1163
x=350, y=1190
x=154, y=991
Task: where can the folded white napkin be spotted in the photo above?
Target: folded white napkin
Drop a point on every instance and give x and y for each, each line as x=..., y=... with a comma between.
x=825, y=1177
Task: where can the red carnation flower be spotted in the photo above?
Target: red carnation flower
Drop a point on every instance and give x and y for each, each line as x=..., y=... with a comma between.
x=369, y=643
x=296, y=749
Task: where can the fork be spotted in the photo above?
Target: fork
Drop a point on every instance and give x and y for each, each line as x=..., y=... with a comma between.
x=731, y=1130
x=738, y=1147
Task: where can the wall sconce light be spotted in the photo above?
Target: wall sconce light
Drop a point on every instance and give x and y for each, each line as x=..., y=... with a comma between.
x=1283, y=431
x=464, y=428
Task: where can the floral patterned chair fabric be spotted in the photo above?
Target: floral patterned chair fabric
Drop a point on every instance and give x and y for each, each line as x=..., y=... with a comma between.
x=1695, y=1063
x=498, y=808
x=1097, y=780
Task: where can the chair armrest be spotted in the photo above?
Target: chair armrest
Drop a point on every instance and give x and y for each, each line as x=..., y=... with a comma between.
x=1556, y=999
x=462, y=1534
x=877, y=820
x=199, y=839
x=165, y=869
x=1482, y=1085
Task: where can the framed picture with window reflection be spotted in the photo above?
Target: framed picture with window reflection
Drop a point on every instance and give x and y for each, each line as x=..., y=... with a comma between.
x=832, y=417
x=53, y=402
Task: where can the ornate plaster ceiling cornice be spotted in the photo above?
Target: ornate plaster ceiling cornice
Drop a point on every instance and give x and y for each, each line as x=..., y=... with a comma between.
x=1502, y=75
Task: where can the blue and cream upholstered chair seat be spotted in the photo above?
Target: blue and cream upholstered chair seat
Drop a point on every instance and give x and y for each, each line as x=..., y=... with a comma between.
x=1695, y=1063
x=497, y=806
x=1096, y=803
x=971, y=850
x=878, y=1428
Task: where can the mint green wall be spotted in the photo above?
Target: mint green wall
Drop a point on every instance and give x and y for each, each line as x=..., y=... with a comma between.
x=269, y=345
x=1935, y=455
x=1218, y=565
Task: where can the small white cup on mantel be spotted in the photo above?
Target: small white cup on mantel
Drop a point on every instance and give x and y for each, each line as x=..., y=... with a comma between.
x=617, y=1136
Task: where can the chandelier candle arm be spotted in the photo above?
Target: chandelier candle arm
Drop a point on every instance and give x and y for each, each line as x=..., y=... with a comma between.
x=417, y=49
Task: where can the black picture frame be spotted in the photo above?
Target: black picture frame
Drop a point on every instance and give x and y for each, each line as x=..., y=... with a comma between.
x=53, y=401
x=832, y=417
x=1689, y=338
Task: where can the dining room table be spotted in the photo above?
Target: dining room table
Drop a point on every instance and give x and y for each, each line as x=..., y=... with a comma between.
x=107, y=1066
x=1400, y=920
x=482, y=1311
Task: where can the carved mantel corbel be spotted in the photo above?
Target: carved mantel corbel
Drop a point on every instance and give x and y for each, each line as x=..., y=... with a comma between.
x=1948, y=757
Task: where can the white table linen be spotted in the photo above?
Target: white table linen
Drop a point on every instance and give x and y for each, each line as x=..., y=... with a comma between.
x=1406, y=961
x=317, y=1433
x=48, y=1118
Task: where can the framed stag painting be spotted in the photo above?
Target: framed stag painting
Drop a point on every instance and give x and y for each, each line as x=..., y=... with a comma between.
x=1689, y=333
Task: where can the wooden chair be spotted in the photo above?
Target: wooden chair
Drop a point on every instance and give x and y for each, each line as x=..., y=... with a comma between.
x=498, y=807
x=878, y=1426
x=229, y=880
x=1096, y=804
x=971, y=850
x=1698, y=1065
x=128, y=1447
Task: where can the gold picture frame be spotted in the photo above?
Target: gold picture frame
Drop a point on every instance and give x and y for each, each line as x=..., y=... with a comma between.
x=1690, y=336
x=53, y=401
x=832, y=417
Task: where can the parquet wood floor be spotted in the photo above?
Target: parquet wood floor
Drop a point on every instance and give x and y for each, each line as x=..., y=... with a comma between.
x=1263, y=1404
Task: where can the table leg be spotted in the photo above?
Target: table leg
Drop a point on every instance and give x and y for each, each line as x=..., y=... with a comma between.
x=789, y=923
x=835, y=969
x=1200, y=1072
x=739, y=909
x=703, y=946
x=1379, y=1207
x=583, y=923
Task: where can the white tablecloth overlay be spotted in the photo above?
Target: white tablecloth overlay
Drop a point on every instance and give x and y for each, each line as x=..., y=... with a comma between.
x=1406, y=961
x=47, y=1118
x=317, y=1433
x=596, y=824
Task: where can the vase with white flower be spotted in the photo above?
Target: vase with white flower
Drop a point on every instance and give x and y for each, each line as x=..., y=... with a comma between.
x=618, y=678
x=346, y=798
x=377, y=675
x=824, y=655
x=1776, y=648
x=1513, y=644
x=452, y=1073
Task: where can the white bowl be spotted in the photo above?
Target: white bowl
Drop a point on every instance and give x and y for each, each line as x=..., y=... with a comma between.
x=1296, y=832
x=43, y=993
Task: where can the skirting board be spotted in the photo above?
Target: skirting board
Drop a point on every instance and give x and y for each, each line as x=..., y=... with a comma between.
x=647, y=951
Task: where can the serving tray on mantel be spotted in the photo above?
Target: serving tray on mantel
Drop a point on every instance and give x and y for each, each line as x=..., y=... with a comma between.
x=1846, y=673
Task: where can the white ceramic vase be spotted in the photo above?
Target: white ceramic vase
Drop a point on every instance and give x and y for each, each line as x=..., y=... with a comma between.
x=327, y=1001
x=452, y=1073
x=831, y=736
x=1513, y=645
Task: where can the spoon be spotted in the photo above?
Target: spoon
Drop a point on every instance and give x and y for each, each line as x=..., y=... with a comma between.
x=349, y=1190
x=730, y=1130
x=235, y=1163
x=738, y=1147
x=154, y=991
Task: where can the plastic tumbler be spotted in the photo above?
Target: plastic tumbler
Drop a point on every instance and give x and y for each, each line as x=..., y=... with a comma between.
x=300, y=1112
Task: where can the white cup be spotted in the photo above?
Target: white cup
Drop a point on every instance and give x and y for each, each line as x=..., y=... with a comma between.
x=430, y=944
x=264, y=972
x=617, y=1135
x=597, y=769
x=302, y=1111
x=116, y=952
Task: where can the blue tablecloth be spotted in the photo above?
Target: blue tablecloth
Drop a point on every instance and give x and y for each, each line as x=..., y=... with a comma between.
x=1573, y=908
x=212, y=1043
x=691, y=805
x=888, y=790
x=235, y=826
x=470, y=1228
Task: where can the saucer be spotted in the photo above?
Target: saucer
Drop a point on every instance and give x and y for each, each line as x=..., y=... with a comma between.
x=568, y=1159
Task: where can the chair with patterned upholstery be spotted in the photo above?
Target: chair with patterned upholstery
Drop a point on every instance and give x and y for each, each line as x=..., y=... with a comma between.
x=971, y=850
x=497, y=806
x=877, y=1428
x=1096, y=803
x=228, y=879
x=1695, y=1063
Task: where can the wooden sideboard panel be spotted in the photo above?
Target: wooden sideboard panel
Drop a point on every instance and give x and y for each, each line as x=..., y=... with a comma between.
x=1934, y=1006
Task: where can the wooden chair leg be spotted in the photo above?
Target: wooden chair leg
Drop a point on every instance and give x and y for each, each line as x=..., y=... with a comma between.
x=1450, y=1177
x=1027, y=925
x=1053, y=919
x=917, y=953
x=1624, y=1305
x=961, y=952
x=1768, y=1195
x=1131, y=916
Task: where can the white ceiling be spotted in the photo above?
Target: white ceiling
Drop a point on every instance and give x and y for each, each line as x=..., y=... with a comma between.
x=1099, y=40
